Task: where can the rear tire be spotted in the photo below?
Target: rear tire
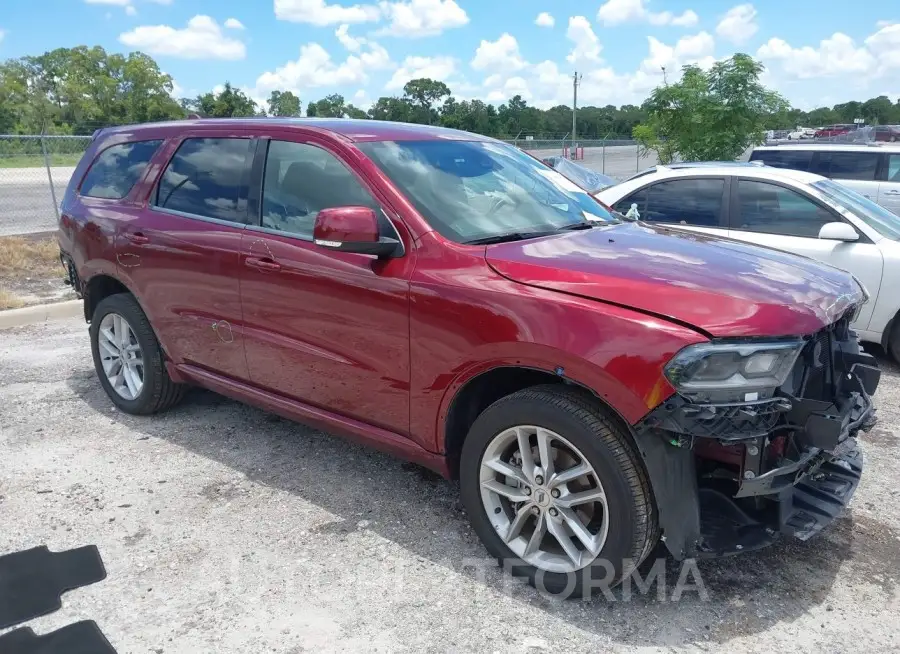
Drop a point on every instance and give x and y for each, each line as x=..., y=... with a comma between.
x=149, y=389
x=573, y=426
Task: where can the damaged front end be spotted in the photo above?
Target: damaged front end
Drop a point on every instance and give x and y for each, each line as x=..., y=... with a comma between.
x=759, y=440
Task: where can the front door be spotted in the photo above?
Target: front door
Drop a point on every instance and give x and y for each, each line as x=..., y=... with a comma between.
x=782, y=218
x=330, y=329
x=181, y=252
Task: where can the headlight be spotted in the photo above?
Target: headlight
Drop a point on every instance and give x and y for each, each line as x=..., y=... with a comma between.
x=746, y=368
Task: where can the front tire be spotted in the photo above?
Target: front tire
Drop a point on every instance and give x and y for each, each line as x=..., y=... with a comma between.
x=556, y=492
x=894, y=340
x=128, y=358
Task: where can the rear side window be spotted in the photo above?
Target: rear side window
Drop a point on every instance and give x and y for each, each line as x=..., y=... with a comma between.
x=893, y=168
x=772, y=209
x=117, y=169
x=847, y=165
x=209, y=178
x=686, y=202
x=791, y=159
x=638, y=198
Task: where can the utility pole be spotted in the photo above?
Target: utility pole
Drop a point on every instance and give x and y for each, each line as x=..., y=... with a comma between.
x=576, y=80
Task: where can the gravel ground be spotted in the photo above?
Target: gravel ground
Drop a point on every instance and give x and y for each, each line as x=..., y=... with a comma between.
x=225, y=529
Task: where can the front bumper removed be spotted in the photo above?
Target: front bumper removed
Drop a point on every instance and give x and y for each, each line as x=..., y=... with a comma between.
x=730, y=478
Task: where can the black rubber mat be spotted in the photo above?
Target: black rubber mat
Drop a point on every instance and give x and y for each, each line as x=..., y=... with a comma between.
x=32, y=581
x=78, y=638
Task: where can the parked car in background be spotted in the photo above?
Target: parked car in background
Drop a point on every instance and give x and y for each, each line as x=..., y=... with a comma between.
x=801, y=134
x=596, y=384
x=789, y=210
x=835, y=130
x=890, y=133
x=583, y=177
x=872, y=171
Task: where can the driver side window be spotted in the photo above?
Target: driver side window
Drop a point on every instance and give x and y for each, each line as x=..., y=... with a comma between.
x=300, y=180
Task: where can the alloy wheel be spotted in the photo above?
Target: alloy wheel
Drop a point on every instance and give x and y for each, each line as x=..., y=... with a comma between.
x=121, y=356
x=544, y=499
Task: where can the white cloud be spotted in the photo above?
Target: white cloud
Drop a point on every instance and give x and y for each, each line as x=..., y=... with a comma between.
x=234, y=24
x=739, y=24
x=835, y=56
x=315, y=68
x=587, y=46
x=2, y=34
x=885, y=45
x=440, y=68
x=353, y=44
x=130, y=10
x=201, y=39
x=616, y=12
x=418, y=18
x=500, y=55
x=318, y=12
x=544, y=20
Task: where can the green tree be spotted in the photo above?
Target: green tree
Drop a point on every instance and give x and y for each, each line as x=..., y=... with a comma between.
x=355, y=112
x=424, y=93
x=284, y=104
x=710, y=116
x=228, y=103
x=392, y=108
x=331, y=106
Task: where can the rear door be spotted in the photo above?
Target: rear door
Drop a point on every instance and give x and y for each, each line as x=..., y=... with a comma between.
x=781, y=217
x=180, y=252
x=889, y=188
x=855, y=169
x=692, y=203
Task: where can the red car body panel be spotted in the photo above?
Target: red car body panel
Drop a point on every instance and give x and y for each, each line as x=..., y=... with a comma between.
x=378, y=349
x=666, y=272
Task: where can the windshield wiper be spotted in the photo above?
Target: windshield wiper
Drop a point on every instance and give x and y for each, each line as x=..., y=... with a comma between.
x=505, y=238
x=576, y=226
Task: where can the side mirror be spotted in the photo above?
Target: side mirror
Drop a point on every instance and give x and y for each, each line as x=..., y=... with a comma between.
x=353, y=229
x=838, y=231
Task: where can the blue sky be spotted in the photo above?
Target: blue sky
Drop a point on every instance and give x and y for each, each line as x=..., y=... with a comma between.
x=817, y=52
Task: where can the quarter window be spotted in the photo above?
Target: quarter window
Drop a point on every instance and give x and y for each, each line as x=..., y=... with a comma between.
x=208, y=177
x=772, y=209
x=301, y=180
x=117, y=169
x=893, y=168
x=791, y=159
x=686, y=202
x=847, y=165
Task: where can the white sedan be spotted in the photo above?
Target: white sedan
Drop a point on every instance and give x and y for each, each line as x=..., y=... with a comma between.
x=785, y=209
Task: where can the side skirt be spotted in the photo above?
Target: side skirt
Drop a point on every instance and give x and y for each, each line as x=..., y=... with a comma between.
x=360, y=432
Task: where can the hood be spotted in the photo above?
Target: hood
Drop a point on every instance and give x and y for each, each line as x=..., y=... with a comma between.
x=720, y=286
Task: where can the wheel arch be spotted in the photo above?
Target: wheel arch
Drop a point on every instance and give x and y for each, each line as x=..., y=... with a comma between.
x=487, y=385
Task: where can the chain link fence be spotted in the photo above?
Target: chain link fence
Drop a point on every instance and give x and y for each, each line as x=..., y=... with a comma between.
x=35, y=170
x=34, y=173
x=618, y=158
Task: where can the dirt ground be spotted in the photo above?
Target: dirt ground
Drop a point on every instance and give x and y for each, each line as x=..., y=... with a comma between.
x=225, y=529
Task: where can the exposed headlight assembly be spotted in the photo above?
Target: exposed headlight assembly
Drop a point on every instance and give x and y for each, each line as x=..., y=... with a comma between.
x=747, y=371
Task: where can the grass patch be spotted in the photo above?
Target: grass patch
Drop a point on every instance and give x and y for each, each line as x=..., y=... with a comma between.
x=37, y=161
x=21, y=256
x=30, y=271
x=10, y=300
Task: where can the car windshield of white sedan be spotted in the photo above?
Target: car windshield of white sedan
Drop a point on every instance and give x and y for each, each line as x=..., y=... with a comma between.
x=877, y=217
x=472, y=191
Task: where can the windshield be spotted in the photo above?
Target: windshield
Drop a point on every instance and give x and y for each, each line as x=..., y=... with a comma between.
x=875, y=216
x=476, y=190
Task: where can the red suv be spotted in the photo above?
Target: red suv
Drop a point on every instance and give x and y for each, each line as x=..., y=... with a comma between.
x=595, y=384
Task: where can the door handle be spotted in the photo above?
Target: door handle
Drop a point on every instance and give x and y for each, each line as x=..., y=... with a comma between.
x=262, y=263
x=892, y=192
x=137, y=238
